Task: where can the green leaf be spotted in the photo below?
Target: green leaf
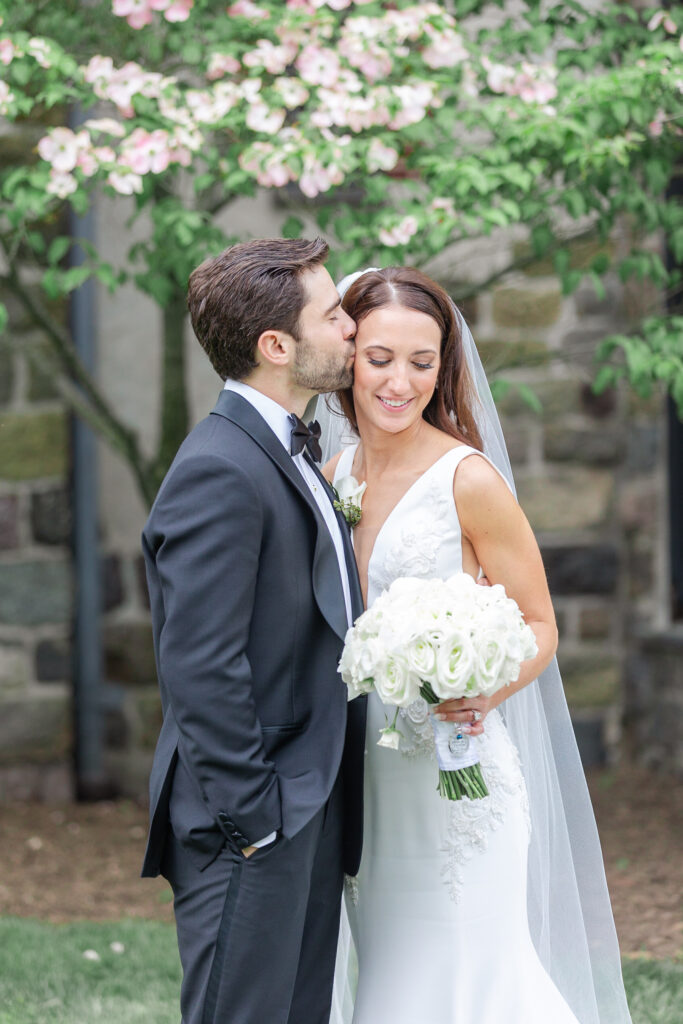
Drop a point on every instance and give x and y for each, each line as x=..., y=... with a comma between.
x=292, y=227
x=530, y=398
x=4, y=317
x=58, y=250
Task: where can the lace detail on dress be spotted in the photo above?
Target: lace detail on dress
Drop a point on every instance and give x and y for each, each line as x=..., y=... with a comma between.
x=351, y=888
x=470, y=822
x=415, y=546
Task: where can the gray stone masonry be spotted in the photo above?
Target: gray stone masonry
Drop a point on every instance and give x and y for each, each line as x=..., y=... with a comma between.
x=589, y=472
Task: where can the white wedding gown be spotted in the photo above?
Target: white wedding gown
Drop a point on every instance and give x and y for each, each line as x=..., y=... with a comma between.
x=438, y=911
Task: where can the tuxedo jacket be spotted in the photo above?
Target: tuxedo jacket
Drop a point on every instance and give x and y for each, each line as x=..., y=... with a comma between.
x=249, y=620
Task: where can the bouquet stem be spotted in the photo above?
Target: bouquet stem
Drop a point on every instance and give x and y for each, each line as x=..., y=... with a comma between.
x=454, y=784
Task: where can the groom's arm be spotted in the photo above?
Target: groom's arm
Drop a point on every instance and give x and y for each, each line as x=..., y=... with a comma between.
x=207, y=536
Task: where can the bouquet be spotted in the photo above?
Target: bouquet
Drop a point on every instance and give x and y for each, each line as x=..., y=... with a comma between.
x=435, y=640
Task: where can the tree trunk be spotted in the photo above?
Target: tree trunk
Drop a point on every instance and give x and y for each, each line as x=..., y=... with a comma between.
x=174, y=406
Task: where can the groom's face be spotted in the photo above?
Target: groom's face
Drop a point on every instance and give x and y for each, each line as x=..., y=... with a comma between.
x=324, y=353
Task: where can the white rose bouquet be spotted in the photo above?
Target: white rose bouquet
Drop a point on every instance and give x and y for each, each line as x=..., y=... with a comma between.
x=438, y=640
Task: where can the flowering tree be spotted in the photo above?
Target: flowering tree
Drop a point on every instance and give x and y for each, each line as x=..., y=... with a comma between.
x=419, y=125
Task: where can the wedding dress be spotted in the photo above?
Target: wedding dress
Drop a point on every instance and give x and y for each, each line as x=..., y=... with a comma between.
x=438, y=911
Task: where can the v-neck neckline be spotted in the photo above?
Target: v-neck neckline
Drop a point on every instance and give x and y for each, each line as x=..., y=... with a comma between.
x=393, y=510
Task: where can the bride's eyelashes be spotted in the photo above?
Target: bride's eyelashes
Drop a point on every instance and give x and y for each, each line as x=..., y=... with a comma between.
x=385, y=362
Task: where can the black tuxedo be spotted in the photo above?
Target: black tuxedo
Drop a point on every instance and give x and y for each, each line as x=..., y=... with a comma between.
x=249, y=618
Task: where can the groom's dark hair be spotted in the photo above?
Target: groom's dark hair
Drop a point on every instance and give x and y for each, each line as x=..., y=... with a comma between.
x=248, y=289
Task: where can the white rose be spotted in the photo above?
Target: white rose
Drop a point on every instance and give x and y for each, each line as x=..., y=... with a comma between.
x=489, y=662
x=396, y=684
x=421, y=657
x=389, y=738
x=455, y=665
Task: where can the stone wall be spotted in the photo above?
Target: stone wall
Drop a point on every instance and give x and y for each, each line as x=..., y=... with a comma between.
x=35, y=577
x=589, y=471
x=590, y=475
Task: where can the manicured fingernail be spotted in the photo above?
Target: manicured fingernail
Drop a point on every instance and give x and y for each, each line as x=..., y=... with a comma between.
x=440, y=718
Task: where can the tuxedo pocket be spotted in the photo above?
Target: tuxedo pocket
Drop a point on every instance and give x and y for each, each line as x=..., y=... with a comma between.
x=289, y=728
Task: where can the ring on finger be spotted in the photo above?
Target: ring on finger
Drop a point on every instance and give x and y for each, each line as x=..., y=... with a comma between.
x=476, y=717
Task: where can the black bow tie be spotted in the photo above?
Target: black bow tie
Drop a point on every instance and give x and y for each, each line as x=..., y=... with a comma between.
x=305, y=437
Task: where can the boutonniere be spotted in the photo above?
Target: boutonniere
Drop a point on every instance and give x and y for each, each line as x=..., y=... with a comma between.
x=348, y=494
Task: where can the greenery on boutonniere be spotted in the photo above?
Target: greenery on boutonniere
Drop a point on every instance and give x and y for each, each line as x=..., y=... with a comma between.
x=348, y=496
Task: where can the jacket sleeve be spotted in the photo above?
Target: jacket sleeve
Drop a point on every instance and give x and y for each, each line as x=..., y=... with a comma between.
x=207, y=527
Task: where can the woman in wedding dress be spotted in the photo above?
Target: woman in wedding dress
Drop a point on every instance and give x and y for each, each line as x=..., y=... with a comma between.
x=440, y=910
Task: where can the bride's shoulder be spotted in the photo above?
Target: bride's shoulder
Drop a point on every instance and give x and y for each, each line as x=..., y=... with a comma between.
x=476, y=477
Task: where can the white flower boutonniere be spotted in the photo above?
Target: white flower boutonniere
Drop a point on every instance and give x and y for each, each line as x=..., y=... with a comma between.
x=348, y=498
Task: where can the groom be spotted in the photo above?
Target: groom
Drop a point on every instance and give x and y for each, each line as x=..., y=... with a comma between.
x=256, y=786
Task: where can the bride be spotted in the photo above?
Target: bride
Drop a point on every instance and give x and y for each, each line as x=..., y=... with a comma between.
x=491, y=911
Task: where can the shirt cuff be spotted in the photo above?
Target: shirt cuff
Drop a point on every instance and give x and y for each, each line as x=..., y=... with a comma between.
x=270, y=838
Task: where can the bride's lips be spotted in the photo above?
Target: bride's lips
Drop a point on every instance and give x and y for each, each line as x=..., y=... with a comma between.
x=394, y=408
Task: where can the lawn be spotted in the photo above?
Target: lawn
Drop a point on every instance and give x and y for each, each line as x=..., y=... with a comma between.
x=46, y=979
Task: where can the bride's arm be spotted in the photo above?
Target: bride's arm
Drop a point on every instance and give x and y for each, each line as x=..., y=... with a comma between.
x=505, y=547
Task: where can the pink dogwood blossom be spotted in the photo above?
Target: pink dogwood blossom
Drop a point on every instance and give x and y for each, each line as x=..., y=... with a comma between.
x=125, y=182
x=61, y=184
x=292, y=92
x=381, y=157
x=6, y=97
x=269, y=56
x=400, y=234
x=261, y=118
x=8, y=51
x=60, y=148
x=137, y=13
x=221, y=64
x=247, y=9
x=662, y=18
x=317, y=66
x=179, y=10
x=146, y=152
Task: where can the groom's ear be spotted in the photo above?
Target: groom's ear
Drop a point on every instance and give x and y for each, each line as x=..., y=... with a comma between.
x=275, y=348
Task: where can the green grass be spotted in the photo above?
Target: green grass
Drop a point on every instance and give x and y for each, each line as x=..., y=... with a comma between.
x=655, y=991
x=44, y=978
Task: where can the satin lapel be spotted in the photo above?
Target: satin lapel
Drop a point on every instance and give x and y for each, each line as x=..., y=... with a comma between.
x=357, y=606
x=327, y=585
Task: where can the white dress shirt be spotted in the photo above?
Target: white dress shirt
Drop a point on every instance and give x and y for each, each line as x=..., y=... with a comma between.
x=277, y=418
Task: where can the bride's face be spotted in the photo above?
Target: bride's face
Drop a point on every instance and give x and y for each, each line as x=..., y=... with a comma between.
x=397, y=364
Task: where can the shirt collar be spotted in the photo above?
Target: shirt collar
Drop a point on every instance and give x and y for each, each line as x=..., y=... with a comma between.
x=275, y=415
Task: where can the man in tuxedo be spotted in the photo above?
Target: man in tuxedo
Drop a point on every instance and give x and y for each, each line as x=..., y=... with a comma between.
x=256, y=786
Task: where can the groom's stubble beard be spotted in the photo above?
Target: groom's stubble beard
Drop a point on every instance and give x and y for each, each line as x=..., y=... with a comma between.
x=321, y=371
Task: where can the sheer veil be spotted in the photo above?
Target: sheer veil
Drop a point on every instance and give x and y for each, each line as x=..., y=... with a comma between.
x=568, y=903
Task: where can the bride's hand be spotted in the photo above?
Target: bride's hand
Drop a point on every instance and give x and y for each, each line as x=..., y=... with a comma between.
x=470, y=712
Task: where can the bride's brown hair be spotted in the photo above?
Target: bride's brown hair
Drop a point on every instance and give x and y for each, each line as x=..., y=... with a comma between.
x=450, y=407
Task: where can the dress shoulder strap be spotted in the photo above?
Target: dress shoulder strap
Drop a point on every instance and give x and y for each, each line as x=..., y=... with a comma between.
x=345, y=463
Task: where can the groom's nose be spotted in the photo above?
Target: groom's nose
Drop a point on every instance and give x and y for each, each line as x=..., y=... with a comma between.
x=349, y=328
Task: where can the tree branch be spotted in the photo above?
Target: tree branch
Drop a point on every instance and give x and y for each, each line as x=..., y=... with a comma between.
x=78, y=388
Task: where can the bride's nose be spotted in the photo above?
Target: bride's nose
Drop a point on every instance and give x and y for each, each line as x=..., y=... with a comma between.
x=398, y=378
